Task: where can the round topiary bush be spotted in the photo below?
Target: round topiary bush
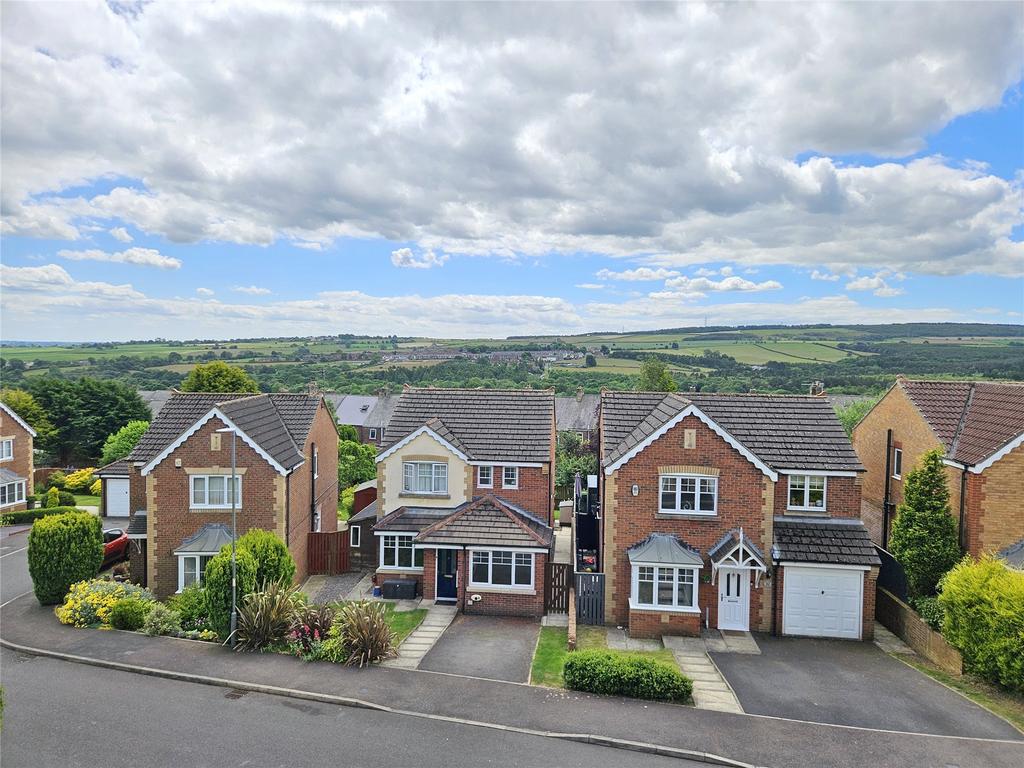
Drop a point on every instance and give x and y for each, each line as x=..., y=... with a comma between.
x=217, y=586
x=274, y=563
x=130, y=613
x=63, y=549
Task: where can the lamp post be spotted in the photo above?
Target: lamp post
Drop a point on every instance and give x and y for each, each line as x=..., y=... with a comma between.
x=234, y=535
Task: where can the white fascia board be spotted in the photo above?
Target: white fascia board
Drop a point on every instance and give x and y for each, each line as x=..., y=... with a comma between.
x=536, y=464
x=536, y=550
x=825, y=566
x=693, y=410
x=215, y=412
x=10, y=412
x=819, y=472
x=981, y=466
x=424, y=430
x=392, y=532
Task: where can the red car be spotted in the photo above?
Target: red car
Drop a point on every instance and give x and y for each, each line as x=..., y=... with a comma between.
x=115, y=546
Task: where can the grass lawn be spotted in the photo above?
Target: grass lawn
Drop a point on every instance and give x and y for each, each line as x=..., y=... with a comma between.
x=404, y=622
x=83, y=499
x=551, y=653
x=1005, y=704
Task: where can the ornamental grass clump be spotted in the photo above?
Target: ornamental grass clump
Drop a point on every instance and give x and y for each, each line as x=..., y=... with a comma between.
x=89, y=603
x=310, y=628
x=363, y=634
x=265, y=618
x=617, y=674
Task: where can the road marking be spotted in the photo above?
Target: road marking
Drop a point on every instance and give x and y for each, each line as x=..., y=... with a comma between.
x=13, y=553
x=16, y=598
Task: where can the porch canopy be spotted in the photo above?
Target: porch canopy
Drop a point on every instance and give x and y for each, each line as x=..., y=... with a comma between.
x=736, y=550
x=664, y=549
x=488, y=522
x=208, y=539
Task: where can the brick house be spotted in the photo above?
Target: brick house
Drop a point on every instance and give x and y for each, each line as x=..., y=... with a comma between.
x=17, y=460
x=179, y=480
x=980, y=426
x=736, y=512
x=465, y=493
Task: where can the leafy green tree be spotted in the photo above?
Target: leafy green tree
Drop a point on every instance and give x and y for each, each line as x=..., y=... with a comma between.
x=851, y=415
x=218, y=376
x=654, y=377
x=120, y=444
x=355, y=463
x=348, y=432
x=589, y=361
x=924, y=538
x=63, y=549
x=32, y=413
x=572, y=456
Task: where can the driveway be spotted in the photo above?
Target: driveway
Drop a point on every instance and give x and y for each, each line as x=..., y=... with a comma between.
x=492, y=647
x=850, y=683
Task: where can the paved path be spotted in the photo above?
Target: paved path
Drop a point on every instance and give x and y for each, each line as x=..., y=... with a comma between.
x=756, y=740
x=710, y=689
x=422, y=639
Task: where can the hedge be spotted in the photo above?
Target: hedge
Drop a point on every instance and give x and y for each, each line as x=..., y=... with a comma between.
x=217, y=585
x=31, y=515
x=984, y=618
x=618, y=674
x=62, y=550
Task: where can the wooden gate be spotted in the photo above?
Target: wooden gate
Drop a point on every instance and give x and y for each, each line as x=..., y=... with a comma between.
x=556, y=588
x=327, y=553
x=590, y=598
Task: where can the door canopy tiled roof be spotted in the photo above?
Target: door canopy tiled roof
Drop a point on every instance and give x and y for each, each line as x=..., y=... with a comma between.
x=488, y=522
x=782, y=431
x=500, y=425
x=813, y=540
x=972, y=419
x=664, y=549
x=208, y=539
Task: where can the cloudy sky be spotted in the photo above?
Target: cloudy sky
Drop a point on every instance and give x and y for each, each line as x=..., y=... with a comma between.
x=192, y=170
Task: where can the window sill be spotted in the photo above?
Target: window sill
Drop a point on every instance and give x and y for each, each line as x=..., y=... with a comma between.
x=635, y=606
x=214, y=509
x=808, y=511
x=412, y=495
x=660, y=515
x=510, y=487
x=499, y=590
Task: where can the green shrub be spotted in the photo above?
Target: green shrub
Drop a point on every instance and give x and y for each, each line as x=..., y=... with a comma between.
x=265, y=618
x=56, y=480
x=311, y=626
x=190, y=604
x=52, y=498
x=274, y=563
x=217, y=586
x=80, y=480
x=96, y=488
x=162, y=620
x=31, y=515
x=984, y=618
x=65, y=499
x=616, y=674
x=362, y=634
x=130, y=613
x=90, y=603
x=63, y=549
x=929, y=609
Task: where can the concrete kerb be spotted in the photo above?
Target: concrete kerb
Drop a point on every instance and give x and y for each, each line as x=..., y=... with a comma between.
x=345, y=701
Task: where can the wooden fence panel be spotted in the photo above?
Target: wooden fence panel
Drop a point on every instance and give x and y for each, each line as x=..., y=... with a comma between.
x=556, y=587
x=590, y=598
x=328, y=553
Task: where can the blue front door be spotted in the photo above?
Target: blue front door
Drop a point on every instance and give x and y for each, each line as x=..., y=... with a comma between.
x=447, y=567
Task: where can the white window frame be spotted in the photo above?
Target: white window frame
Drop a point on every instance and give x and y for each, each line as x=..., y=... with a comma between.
x=434, y=465
x=515, y=555
x=198, y=557
x=385, y=545
x=897, y=463
x=504, y=478
x=806, y=507
x=17, y=496
x=480, y=476
x=674, y=607
x=206, y=492
x=355, y=536
x=698, y=480
x=373, y=434
x=316, y=463
x=7, y=449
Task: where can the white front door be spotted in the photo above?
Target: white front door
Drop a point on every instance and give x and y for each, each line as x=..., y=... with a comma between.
x=733, y=599
x=117, y=497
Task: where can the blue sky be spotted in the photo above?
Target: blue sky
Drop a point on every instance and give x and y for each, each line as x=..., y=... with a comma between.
x=483, y=185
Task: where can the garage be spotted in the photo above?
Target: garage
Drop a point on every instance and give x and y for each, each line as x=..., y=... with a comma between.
x=116, y=501
x=823, y=602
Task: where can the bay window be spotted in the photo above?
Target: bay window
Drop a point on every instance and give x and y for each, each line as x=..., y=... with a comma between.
x=191, y=568
x=425, y=477
x=12, y=493
x=501, y=569
x=214, y=491
x=807, y=492
x=397, y=551
x=688, y=495
x=665, y=587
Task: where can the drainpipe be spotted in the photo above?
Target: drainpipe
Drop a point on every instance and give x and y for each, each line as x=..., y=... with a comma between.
x=886, y=504
x=775, y=602
x=963, y=505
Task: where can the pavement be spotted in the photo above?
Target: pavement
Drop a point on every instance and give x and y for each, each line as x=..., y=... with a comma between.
x=491, y=647
x=852, y=684
x=496, y=705
x=14, y=578
x=710, y=689
x=422, y=639
x=122, y=720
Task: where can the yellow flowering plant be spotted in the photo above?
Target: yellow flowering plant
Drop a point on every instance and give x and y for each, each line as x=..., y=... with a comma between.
x=88, y=603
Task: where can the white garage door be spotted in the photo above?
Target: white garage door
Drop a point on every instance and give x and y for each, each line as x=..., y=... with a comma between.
x=117, y=497
x=822, y=602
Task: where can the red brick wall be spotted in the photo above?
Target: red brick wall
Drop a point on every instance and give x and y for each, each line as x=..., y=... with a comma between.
x=535, y=493
x=842, y=497
x=303, y=490
x=740, y=504
x=995, y=514
x=21, y=462
x=656, y=624
x=499, y=603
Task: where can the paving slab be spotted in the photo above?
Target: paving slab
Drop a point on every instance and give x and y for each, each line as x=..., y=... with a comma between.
x=491, y=647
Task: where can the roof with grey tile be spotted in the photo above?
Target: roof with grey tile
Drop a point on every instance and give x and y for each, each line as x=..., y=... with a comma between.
x=973, y=419
x=577, y=413
x=728, y=542
x=155, y=399
x=664, y=549
x=369, y=512
x=208, y=539
x=137, y=528
x=783, y=431
x=813, y=540
x=488, y=522
x=6, y=476
x=279, y=422
x=352, y=409
x=119, y=468
x=412, y=519
x=501, y=425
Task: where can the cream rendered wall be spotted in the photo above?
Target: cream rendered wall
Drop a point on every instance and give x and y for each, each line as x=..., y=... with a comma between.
x=423, y=447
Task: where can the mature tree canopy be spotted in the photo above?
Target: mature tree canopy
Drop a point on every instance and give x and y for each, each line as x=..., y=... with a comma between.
x=572, y=456
x=218, y=376
x=32, y=413
x=654, y=377
x=355, y=463
x=348, y=432
x=120, y=444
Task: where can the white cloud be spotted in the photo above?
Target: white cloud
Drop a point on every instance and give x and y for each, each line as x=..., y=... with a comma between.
x=636, y=275
x=143, y=257
x=591, y=286
x=122, y=234
x=515, y=133
x=204, y=291
x=826, y=276
x=727, y=284
x=877, y=284
x=404, y=257
x=252, y=290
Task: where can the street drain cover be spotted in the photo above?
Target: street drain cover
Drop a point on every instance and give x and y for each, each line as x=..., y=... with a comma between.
x=234, y=693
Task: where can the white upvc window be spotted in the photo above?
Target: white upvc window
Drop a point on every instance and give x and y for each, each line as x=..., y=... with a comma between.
x=661, y=587
x=897, y=463
x=316, y=463
x=355, y=536
x=510, y=477
x=397, y=552
x=7, y=449
x=501, y=568
x=191, y=568
x=12, y=493
x=807, y=492
x=688, y=495
x=425, y=477
x=214, y=491
x=373, y=434
x=485, y=477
